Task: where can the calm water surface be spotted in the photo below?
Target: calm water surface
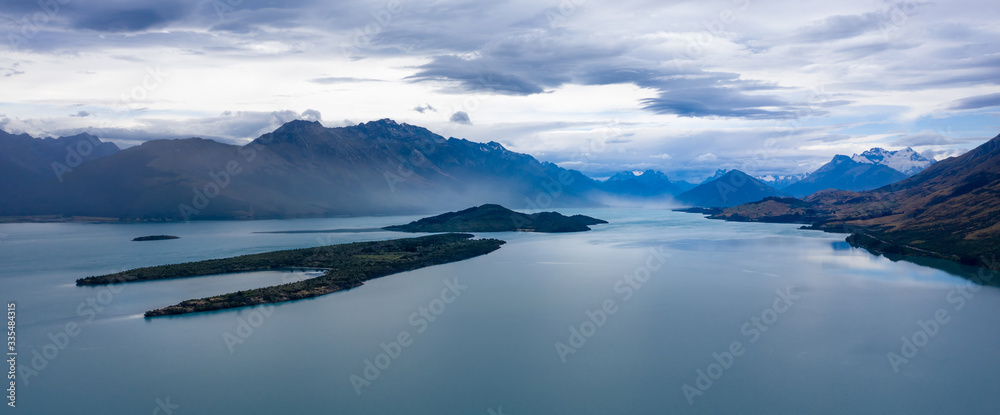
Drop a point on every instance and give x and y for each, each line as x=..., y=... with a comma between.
x=811, y=320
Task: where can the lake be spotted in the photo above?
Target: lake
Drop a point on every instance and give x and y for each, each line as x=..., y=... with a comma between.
x=657, y=312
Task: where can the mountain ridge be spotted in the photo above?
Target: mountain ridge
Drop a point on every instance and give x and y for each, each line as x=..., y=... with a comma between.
x=732, y=188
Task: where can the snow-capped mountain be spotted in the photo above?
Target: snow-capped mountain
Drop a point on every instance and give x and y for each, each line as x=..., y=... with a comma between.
x=778, y=181
x=906, y=161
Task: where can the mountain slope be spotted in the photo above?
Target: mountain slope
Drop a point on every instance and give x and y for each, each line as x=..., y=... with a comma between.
x=843, y=173
x=731, y=189
x=950, y=209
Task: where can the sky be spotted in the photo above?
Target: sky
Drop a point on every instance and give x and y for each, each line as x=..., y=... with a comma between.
x=685, y=87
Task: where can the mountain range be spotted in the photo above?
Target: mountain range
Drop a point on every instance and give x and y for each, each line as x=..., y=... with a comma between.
x=951, y=209
x=303, y=169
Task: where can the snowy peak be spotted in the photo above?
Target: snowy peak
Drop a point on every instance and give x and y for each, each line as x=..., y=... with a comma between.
x=779, y=181
x=907, y=161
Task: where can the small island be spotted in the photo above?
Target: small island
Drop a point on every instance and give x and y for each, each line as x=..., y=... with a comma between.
x=347, y=265
x=496, y=218
x=155, y=238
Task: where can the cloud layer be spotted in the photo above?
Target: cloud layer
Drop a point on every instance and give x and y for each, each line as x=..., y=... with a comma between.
x=600, y=86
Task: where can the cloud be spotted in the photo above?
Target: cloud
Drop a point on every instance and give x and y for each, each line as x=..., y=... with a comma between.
x=341, y=80
x=976, y=102
x=461, y=117
x=707, y=157
x=311, y=115
x=718, y=102
x=81, y=114
x=686, y=90
x=129, y=17
x=423, y=108
x=841, y=27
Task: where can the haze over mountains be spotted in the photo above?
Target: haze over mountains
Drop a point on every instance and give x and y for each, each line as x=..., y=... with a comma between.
x=303, y=169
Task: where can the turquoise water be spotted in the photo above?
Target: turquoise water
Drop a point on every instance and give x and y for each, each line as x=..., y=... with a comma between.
x=632, y=332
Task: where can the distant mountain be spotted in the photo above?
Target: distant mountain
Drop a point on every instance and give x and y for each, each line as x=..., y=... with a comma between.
x=684, y=185
x=950, y=210
x=496, y=218
x=43, y=157
x=303, y=169
x=31, y=168
x=781, y=181
x=730, y=189
x=644, y=184
x=843, y=173
x=718, y=173
x=905, y=161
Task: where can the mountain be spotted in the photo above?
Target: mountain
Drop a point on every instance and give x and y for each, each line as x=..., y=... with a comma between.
x=303, y=169
x=950, y=210
x=781, y=181
x=905, y=161
x=718, y=173
x=644, y=184
x=496, y=218
x=683, y=185
x=30, y=167
x=37, y=156
x=843, y=173
x=730, y=189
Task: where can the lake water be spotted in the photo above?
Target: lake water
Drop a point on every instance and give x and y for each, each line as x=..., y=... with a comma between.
x=739, y=319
